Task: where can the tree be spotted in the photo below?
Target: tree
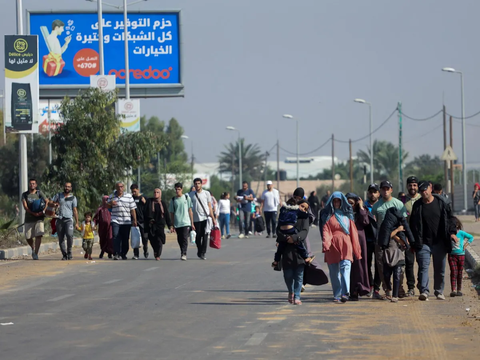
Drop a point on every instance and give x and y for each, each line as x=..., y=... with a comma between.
x=426, y=167
x=253, y=160
x=91, y=150
x=385, y=160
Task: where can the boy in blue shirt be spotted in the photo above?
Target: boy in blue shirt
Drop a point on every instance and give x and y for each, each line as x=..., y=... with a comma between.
x=456, y=258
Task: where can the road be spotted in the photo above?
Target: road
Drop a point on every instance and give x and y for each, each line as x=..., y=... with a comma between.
x=231, y=306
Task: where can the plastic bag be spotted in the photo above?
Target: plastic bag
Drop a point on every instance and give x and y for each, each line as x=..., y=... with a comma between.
x=215, y=238
x=135, y=236
x=193, y=235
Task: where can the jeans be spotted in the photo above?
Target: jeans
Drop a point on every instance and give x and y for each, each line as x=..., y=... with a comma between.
x=65, y=229
x=439, y=261
x=121, y=234
x=202, y=239
x=340, y=278
x=477, y=210
x=397, y=272
x=245, y=221
x=294, y=280
x=374, y=278
x=224, y=220
x=271, y=218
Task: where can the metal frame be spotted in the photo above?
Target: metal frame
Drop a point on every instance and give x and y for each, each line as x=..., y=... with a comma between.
x=136, y=91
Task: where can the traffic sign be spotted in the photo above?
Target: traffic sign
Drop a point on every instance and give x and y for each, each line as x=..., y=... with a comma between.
x=448, y=154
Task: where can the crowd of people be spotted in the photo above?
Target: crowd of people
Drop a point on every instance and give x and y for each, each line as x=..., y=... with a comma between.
x=366, y=243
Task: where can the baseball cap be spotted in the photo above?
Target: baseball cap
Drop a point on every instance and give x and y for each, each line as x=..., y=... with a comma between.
x=412, y=180
x=373, y=187
x=386, y=183
x=423, y=185
x=269, y=182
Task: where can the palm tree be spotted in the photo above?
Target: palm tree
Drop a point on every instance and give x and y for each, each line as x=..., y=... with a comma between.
x=252, y=160
x=385, y=159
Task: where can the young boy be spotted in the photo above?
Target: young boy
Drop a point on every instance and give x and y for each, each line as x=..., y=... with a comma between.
x=289, y=213
x=87, y=228
x=258, y=221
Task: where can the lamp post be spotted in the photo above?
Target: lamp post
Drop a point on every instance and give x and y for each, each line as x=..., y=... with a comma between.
x=361, y=101
x=231, y=128
x=185, y=137
x=464, y=146
x=287, y=116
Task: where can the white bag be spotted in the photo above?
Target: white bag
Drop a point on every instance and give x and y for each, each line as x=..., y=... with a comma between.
x=135, y=236
x=193, y=235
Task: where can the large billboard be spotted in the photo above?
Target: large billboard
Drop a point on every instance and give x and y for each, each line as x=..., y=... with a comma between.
x=69, y=51
x=21, y=84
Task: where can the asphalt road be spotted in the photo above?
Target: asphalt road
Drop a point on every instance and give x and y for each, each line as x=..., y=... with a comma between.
x=231, y=306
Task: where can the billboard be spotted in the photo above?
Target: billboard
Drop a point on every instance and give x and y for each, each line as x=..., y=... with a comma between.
x=130, y=112
x=55, y=119
x=68, y=51
x=21, y=84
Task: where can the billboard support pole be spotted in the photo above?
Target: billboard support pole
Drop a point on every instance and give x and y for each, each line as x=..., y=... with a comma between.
x=100, y=35
x=22, y=143
x=127, y=72
x=49, y=134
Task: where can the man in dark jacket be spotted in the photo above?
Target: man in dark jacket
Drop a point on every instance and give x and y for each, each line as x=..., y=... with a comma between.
x=433, y=230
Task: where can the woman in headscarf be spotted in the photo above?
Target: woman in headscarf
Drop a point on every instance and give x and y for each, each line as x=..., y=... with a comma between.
x=340, y=243
x=156, y=217
x=102, y=219
x=359, y=282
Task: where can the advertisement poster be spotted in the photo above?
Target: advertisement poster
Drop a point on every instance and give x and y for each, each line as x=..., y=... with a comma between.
x=68, y=48
x=21, y=84
x=129, y=110
x=55, y=118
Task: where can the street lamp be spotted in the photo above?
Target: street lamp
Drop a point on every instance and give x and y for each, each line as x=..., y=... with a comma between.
x=361, y=101
x=464, y=146
x=287, y=116
x=231, y=128
x=185, y=137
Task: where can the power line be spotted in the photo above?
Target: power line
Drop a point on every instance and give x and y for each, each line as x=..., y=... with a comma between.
x=466, y=117
x=307, y=153
x=410, y=139
x=424, y=119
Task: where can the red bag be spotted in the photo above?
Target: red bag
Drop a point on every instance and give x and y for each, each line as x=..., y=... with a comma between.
x=215, y=238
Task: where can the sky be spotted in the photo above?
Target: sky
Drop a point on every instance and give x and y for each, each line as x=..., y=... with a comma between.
x=248, y=62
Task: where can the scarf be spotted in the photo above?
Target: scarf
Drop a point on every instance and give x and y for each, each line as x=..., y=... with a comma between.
x=157, y=201
x=343, y=215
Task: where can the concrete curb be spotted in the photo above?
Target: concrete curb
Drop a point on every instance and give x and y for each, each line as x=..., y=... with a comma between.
x=473, y=259
x=27, y=250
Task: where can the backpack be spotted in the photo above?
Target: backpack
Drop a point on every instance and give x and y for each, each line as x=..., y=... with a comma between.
x=38, y=205
x=173, y=201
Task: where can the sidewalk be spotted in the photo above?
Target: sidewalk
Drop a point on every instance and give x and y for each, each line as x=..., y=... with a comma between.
x=472, y=252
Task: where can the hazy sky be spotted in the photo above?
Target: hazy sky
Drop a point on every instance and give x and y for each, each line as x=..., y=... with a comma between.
x=248, y=62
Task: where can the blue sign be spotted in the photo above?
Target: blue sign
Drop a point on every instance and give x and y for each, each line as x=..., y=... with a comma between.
x=68, y=47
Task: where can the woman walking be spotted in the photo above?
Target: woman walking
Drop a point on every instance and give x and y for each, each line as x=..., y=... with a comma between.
x=224, y=214
x=476, y=201
x=102, y=219
x=293, y=264
x=359, y=281
x=156, y=217
x=340, y=243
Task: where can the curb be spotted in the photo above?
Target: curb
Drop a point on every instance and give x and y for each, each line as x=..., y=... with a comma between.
x=27, y=250
x=473, y=259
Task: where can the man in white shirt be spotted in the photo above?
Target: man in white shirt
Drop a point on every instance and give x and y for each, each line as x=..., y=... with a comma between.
x=270, y=201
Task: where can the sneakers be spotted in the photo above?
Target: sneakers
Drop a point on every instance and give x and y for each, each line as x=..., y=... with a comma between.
x=34, y=255
x=459, y=293
x=184, y=257
x=64, y=257
x=423, y=297
x=274, y=236
x=440, y=296
x=229, y=236
x=124, y=257
x=268, y=236
x=145, y=254
x=344, y=298
x=241, y=236
x=223, y=237
x=410, y=293
x=135, y=257
x=453, y=294
x=376, y=295
x=394, y=300
x=303, y=288
x=69, y=257
x=115, y=257
x=203, y=257
x=250, y=233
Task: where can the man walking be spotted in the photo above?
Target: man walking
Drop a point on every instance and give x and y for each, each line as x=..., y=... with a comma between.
x=67, y=209
x=140, y=202
x=180, y=209
x=371, y=235
x=270, y=201
x=202, y=211
x=379, y=210
x=34, y=203
x=245, y=196
x=324, y=200
x=412, y=197
x=433, y=228
x=123, y=211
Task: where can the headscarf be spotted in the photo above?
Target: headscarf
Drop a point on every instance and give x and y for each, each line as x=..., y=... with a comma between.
x=477, y=185
x=299, y=192
x=157, y=201
x=343, y=215
x=104, y=201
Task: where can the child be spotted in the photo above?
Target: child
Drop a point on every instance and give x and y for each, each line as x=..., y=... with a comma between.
x=258, y=221
x=87, y=229
x=287, y=220
x=456, y=258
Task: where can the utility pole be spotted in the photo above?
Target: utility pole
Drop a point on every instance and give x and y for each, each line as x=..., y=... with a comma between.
x=451, y=182
x=351, y=166
x=400, y=152
x=445, y=166
x=333, y=163
x=278, y=166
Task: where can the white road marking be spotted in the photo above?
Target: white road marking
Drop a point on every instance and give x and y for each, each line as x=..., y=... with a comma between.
x=152, y=268
x=61, y=297
x=111, y=281
x=178, y=287
x=256, y=339
x=273, y=321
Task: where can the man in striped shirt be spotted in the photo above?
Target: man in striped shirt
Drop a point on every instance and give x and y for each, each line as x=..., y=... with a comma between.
x=123, y=217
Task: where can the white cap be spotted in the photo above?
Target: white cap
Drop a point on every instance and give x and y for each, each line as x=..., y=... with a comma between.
x=269, y=182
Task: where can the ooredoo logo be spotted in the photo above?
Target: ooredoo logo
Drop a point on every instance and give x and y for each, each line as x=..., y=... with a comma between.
x=148, y=73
